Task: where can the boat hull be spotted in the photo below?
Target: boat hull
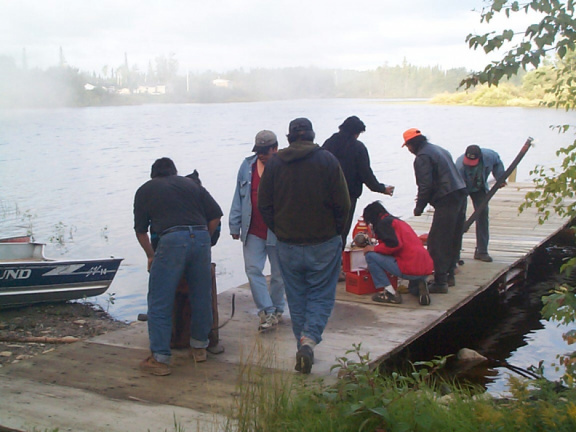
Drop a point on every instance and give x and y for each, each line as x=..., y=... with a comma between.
x=25, y=281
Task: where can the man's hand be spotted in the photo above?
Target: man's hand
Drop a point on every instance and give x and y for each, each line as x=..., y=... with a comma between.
x=503, y=184
x=144, y=241
x=368, y=249
x=389, y=190
x=235, y=236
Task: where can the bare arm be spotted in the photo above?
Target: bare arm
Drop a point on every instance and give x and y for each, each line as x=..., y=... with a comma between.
x=212, y=225
x=144, y=241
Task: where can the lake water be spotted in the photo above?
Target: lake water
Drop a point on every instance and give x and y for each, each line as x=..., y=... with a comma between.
x=75, y=171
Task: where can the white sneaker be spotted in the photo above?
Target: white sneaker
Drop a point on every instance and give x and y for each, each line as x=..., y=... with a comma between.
x=270, y=321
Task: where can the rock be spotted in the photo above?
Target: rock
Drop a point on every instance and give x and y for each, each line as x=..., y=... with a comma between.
x=5, y=353
x=466, y=354
x=80, y=322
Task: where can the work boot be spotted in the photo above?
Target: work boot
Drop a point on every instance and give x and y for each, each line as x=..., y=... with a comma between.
x=482, y=256
x=440, y=284
x=151, y=365
x=423, y=294
x=304, y=359
x=198, y=354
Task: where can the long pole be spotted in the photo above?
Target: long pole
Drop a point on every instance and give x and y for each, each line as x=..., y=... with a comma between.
x=499, y=182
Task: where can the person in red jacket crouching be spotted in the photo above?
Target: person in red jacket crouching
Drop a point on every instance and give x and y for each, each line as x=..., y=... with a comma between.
x=399, y=252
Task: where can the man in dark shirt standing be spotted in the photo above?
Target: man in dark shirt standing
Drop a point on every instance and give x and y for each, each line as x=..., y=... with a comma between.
x=440, y=185
x=304, y=200
x=184, y=215
x=355, y=162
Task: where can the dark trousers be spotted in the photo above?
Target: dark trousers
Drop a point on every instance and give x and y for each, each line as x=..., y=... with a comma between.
x=445, y=237
x=482, y=224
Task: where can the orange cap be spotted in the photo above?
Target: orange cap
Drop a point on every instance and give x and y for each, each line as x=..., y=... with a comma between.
x=409, y=134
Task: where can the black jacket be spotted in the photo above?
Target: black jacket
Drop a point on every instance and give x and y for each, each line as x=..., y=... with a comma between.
x=355, y=162
x=302, y=194
x=436, y=175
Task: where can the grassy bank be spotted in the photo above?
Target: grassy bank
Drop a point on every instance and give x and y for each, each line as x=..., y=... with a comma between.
x=502, y=95
x=419, y=400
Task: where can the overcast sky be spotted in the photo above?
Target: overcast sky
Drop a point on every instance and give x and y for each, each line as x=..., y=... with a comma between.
x=227, y=34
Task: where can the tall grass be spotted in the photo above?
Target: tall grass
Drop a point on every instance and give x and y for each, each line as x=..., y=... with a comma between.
x=365, y=400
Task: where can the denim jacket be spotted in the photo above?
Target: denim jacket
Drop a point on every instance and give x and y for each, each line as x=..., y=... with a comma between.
x=492, y=164
x=241, y=209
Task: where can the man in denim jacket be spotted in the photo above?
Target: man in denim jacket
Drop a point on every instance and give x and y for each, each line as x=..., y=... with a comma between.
x=475, y=166
x=258, y=241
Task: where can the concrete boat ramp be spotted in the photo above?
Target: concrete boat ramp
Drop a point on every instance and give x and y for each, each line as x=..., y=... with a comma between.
x=95, y=385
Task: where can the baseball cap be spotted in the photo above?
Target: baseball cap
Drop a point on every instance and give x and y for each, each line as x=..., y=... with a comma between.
x=264, y=138
x=472, y=155
x=409, y=134
x=300, y=125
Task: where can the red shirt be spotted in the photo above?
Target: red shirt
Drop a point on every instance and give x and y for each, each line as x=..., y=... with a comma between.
x=257, y=225
x=412, y=257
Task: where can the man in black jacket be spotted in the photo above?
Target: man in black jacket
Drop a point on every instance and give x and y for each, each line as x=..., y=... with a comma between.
x=440, y=185
x=304, y=200
x=355, y=162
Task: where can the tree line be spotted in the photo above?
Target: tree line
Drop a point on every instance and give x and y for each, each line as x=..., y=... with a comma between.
x=65, y=85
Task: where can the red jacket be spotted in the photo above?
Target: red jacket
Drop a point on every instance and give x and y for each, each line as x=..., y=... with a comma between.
x=397, y=238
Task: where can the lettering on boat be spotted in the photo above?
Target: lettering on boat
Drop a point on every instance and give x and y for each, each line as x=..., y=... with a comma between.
x=97, y=270
x=15, y=274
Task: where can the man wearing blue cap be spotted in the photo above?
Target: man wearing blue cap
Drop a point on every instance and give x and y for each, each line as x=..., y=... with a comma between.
x=304, y=200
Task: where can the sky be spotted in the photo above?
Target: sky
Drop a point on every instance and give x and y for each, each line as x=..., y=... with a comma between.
x=222, y=35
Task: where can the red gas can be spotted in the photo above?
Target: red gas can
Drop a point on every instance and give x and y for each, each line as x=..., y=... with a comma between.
x=362, y=226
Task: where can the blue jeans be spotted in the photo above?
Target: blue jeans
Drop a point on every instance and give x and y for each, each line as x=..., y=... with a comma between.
x=255, y=251
x=181, y=253
x=379, y=265
x=310, y=275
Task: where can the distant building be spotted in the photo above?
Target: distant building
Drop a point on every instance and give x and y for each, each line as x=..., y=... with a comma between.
x=151, y=90
x=219, y=82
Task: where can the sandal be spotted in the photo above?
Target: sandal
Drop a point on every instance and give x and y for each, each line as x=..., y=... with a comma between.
x=387, y=297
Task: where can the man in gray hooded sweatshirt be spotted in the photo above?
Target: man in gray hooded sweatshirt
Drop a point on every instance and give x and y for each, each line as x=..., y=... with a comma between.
x=304, y=200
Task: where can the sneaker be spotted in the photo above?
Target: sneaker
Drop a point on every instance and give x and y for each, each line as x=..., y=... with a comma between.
x=423, y=294
x=304, y=359
x=451, y=280
x=154, y=367
x=387, y=297
x=482, y=256
x=270, y=321
x=435, y=288
x=279, y=317
x=198, y=354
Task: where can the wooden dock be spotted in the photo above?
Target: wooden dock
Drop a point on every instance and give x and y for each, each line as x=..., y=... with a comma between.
x=106, y=368
x=386, y=329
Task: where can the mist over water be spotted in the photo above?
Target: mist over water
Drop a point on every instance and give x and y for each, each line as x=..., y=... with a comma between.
x=75, y=171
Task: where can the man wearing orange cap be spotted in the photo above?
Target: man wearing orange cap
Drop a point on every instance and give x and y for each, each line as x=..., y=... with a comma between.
x=440, y=185
x=475, y=166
